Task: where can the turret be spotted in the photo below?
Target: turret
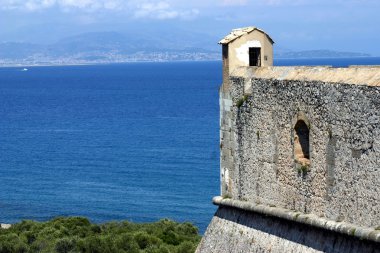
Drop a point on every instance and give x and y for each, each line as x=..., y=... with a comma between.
x=249, y=46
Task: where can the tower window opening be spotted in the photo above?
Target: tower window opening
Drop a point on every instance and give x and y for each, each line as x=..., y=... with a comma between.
x=255, y=56
x=302, y=143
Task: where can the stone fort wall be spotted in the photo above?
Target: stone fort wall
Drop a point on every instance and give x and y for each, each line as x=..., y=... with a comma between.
x=267, y=117
x=238, y=231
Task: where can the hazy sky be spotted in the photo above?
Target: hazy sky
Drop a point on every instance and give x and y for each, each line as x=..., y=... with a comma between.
x=350, y=25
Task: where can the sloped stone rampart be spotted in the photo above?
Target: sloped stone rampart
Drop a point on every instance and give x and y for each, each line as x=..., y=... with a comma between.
x=237, y=231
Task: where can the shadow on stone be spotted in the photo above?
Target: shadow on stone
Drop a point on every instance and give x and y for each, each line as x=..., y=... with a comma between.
x=252, y=232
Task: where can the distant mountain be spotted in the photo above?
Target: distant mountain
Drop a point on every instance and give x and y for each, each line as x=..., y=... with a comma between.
x=139, y=45
x=283, y=53
x=107, y=47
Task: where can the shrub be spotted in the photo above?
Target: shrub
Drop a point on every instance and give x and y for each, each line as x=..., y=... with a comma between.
x=76, y=234
x=241, y=101
x=10, y=243
x=127, y=243
x=65, y=245
x=144, y=240
x=186, y=247
x=158, y=249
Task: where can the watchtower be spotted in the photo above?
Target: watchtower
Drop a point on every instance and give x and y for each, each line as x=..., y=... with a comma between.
x=248, y=46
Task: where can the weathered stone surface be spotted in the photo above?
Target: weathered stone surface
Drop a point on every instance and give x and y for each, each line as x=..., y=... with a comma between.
x=362, y=233
x=362, y=75
x=343, y=179
x=305, y=140
x=233, y=230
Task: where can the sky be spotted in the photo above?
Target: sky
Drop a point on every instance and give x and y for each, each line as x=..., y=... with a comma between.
x=349, y=25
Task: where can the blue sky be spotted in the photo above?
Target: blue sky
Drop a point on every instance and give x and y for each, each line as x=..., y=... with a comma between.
x=350, y=25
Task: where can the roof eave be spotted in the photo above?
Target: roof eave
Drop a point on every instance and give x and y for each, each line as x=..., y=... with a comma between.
x=226, y=41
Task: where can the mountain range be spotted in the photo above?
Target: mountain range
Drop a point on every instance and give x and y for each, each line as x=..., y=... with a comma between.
x=113, y=47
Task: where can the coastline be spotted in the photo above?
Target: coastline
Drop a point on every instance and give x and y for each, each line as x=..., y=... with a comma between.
x=19, y=65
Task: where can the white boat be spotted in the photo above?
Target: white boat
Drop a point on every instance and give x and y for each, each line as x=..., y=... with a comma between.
x=24, y=69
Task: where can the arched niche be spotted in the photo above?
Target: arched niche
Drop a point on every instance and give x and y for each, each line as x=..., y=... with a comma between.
x=302, y=143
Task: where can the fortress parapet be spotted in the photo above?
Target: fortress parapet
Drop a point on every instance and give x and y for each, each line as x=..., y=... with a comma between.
x=300, y=156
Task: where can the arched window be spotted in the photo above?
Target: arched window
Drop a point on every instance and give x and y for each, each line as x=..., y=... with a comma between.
x=301, y=143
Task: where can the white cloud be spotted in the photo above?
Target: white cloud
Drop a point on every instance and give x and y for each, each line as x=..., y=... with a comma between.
x=287, y=2
x=162, y=10
x=311, y=2
x=34, y=5
x=234, y=2
x=137, y=9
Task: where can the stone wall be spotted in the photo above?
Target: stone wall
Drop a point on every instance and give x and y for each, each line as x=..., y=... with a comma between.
x=258, y=162
x=300, y=158
x=233, y=230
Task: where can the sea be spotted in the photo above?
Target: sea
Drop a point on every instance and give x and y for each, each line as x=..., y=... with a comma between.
x=133, y=141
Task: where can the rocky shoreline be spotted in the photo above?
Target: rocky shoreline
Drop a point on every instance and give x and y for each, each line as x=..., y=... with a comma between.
x=5, y=226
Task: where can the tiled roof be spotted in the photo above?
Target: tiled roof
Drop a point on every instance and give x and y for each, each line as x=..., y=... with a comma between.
x=237, y=33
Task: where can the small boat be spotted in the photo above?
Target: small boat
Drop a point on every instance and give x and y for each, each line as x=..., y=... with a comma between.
x=24, y=69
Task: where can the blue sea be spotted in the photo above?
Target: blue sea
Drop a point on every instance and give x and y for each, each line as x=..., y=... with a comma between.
x=136, y=142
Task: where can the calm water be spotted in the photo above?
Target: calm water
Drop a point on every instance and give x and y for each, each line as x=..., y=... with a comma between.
x=132, y=141
x=114, y=142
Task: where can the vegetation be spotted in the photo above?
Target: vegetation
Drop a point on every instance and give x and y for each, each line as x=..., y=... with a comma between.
x=241, y=101
x=76, y=234
x=303, y=169
x=227, y=195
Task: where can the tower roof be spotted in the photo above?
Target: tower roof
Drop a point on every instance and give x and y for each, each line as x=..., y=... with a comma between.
x=237, y=33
